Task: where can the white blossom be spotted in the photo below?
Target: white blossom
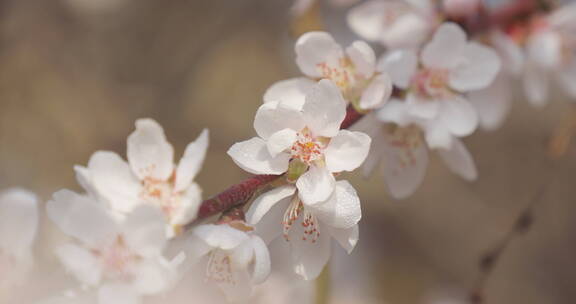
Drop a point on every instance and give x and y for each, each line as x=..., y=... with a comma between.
x=308, y=228
x=18, y=229
x=352, y=69
x=394, y=23
x=236, y=257
x=436, y=80
x=122, y=259
x=306, y=142
x=150, y=176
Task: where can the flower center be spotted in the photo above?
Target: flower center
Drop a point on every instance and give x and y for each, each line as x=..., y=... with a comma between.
x=311, y=230
x=307, y=148
x=432, y=83
x=162, y=194
x=220, y=268
x=117, y=259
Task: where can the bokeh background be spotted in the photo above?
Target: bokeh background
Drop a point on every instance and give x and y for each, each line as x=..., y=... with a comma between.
x=76, y=74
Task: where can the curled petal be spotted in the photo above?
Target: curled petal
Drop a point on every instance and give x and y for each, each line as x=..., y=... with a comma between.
x=363, y=58
x=266, y=201
x=316, y=185
x=342, y=209
x=252, y=155
x=261, y=264
x=220, y=236
x=192, y=161
x=315, y=48
x=274, y=116
x=376, y=93
x=347, y=238
x=459, y=160
x=280, y=141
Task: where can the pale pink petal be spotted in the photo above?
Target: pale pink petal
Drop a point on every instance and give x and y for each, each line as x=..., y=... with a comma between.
x=274, y=116
x=376, y=93
x=191, y=161
x=81, y=263
x=395, y=111
x=362, y=57
x=459, y=116
x=18, y=221
x=281, y=141
x=325, y=109
x=187, y=208
x=315, y=48
x=153, y=276
x=493, y=103
x=252, y=155
x=477, y=69
x=368, y=19
x=261, y=264
x=404, y=164
x=408, y=30
x=445, y=49
x=309, y=257
x=81, y=217
x=149, y=153
x=316, y=185
x=220, y=236
x=567, y=78
x=144, y=230
x=459, y=160
x=347, y=238
x=422, y=107
x=545, y=49
x=400, y=65
x=341, y=209
x=437, y=135
x=289, y=92
x=347, y=151
x=118, y=294
x=262, y=205
x=510, y=52
x=113, y=180
x=535, y=83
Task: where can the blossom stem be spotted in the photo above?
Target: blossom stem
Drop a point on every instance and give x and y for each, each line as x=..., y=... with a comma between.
x=241, y=193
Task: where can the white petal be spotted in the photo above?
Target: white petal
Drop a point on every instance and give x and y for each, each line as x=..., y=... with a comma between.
x=422, y=107
x=459, y=116
x=261, y=266
x=268, y=214
x=266, y=201
x=114, y=181
x=342, y=209
x=376, y=93
x=289, y=92
x=567, y=78
x=544, y=49
x=493, y=103
x=239, y=288
x=325, y=109
x=252, y=155
x=535, y=83
x=81, y=217
x=153, y=276
x=220, y=236
x=445, y=49
x=274, y=116
x=404, y=164
x=149, y=153
x=400, y=65
x=362, y=57
x=309, y=257
x=316, y=185
x=347, y=151
x=192, y=161
x=187, y=210
x=242, y=255
x=314, y=48
x=144, y=230
x=477, y=69
x=372, y=162
x=408, y=30
x=511, y=53
x=438, y=135
x=368, y=19
x=347, y=238
x=395, y=111
x=117, y=294
x=18, y=221
x=280, y=141
x=459, y=160
x=81, y=263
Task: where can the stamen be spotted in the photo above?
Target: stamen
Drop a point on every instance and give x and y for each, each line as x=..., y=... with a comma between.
x=291, y=214
x=220, y=268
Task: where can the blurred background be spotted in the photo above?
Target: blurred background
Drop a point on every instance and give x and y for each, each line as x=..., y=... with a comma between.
x=76, y=74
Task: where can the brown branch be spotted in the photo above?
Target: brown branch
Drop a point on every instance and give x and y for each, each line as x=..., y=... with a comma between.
x=241, y=193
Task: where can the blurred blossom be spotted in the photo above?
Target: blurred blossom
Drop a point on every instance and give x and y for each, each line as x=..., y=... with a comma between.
x=18, y=229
